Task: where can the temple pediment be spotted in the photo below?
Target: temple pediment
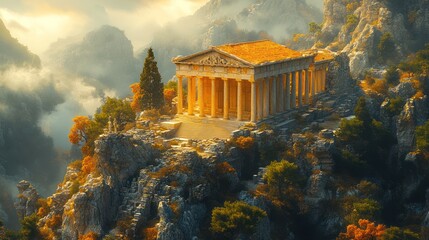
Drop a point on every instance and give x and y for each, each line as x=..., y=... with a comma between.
x=211, y=58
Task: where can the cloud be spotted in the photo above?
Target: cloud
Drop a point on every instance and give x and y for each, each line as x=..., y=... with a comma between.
x=49, y=20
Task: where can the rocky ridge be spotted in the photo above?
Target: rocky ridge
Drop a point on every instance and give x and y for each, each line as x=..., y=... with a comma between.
x=356, y=27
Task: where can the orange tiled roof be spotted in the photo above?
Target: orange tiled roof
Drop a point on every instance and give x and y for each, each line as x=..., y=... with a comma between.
x=259, y=52
x=321, y=54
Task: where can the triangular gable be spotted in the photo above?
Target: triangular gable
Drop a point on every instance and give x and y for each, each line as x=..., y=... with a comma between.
x=212, y=57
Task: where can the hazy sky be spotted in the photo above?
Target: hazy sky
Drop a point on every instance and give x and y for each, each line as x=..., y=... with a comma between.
x=38, y=23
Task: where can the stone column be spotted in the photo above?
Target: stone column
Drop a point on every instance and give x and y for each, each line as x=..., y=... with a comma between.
x=324, y=79
x=287, y=75
x=273, y=95
x=266, y=97
x=179, y=94
x=281, y=97
x=293, y=91
x=253, y=100
x=316, y=81
x=260, y=99
x=213, y=98
x=313, y=83
x=300, y=88
x=201, y=96
x=190, y=102
x=307, y=87
x=225, y=99
x=240, y=101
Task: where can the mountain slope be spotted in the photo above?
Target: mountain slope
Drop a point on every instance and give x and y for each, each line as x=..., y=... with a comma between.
x=227, y=21
x=12, y=52
x=104, y=57
x=358, y=27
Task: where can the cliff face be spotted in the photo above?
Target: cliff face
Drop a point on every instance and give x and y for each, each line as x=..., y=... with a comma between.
x=357, y=27
x=228, y=21
x=136, y=186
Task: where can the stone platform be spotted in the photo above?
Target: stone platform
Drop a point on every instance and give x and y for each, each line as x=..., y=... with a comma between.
x=194, y=127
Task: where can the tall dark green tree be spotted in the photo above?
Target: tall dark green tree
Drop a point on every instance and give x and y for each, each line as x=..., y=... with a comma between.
x=150, y=84
x=387, y=49
x=392, y=76
x=362, y=113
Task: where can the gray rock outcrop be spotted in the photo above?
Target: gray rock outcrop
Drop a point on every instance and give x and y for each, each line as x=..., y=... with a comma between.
x=27, y=202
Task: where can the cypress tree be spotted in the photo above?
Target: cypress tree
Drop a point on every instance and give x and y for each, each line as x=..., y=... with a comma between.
x=362, y=113
x=151, y=85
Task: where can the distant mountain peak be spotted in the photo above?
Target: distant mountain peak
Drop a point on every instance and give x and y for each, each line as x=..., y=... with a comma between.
x=13, y=52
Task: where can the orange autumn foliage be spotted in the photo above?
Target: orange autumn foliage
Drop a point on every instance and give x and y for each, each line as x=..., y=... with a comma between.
x=169, y=94
x=89, y=165
x=151, y=233
x=245, y=142
x=365, y=231
x=89, y=236
x=54, y=222
x=77, y=132
x=224, y=168
x=137, y=96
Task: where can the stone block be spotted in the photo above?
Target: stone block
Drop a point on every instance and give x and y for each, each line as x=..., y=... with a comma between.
x=171, y=125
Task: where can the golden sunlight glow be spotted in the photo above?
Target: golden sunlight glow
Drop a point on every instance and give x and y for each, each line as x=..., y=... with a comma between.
x=42, y=22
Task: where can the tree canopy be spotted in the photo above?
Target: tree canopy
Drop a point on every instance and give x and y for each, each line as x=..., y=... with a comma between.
x=85, y=131
x=235, y=218
x=152, y=89
x=281, y=175
x=386, y=48
x=392, y=76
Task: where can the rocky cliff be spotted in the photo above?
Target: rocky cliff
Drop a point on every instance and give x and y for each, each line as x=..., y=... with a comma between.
x=142, y=183
x=357, y=28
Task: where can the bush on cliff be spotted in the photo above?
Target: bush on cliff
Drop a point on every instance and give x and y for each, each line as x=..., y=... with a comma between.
x=236, y=218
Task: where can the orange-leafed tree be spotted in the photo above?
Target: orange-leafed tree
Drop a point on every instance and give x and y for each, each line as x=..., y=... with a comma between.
x=169, y=94
x=89, y=165
x=89, y=236
x=78, y=132
x=365, y=231
x=137, y=97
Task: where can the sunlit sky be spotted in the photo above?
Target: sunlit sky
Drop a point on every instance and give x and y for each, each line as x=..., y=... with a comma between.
x=38, y=23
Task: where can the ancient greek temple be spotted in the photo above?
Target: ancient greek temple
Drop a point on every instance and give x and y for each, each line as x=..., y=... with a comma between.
x=249, y=81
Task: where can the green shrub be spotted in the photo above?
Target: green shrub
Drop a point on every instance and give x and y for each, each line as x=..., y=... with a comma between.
x=422, y=137
x=236, y=217
x=356, y=209
x=386, y=48
x=395, y=233
x=392, y=76
x=351, y=22
x=395, y=106
x=282, y=175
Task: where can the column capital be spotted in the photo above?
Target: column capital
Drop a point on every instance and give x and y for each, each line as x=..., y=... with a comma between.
x=225, y=79
x=180, y=76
